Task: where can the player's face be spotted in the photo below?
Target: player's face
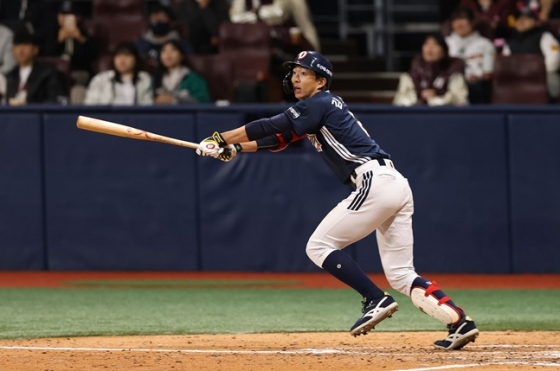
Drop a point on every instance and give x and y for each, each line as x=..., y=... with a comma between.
x=305, y=82
x=432, y=51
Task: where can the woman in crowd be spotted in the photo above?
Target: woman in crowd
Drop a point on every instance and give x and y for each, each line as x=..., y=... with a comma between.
x=434, y=79
x=175, y=81
x=124, y=84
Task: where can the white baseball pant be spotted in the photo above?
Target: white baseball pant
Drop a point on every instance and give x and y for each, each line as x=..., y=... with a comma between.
x=383, y=202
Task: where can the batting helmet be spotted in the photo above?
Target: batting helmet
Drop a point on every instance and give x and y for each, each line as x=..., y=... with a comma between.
x=311, y=60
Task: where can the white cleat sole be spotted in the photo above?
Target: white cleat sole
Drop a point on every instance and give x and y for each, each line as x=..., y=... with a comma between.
x=365, y=327
x=469, y=337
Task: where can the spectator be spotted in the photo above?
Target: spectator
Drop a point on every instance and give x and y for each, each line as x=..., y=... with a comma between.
x=477, y=53
x=495, y=12
x=2, y=88
x=161, y=30
x=529, y=38
x=34, y=16
x=176, y=82
x=73, y=43
x=280, y=14
x=7, y=61
x=434, y=78
x=29, y=81
x=203, y=17
x=550, y=9
x=124, y=84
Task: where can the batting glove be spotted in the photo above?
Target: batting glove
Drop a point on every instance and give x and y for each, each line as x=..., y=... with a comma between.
x=209, y=147
x=229, y=152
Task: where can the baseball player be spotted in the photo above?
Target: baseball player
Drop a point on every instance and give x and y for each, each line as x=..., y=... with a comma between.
x=381, y=200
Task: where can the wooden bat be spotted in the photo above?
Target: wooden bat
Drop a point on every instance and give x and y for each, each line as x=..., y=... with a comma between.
x=111, y=128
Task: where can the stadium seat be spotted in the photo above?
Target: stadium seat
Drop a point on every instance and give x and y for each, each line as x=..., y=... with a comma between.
x=519, y=79
x=218, y=71
x=242, y=37
x=115, y=21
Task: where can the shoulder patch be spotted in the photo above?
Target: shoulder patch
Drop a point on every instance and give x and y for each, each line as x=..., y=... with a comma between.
x=294, y=112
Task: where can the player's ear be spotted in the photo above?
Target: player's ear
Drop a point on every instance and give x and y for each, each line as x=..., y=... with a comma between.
x=324, y=81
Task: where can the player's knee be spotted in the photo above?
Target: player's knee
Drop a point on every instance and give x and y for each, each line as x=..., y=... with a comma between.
x=318, y=251
x=401, y=279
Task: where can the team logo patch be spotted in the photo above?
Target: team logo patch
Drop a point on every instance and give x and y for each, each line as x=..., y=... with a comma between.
x=301, y=55
x=294, y=112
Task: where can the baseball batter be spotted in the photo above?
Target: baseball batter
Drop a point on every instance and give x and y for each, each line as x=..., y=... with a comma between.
x=381, y=200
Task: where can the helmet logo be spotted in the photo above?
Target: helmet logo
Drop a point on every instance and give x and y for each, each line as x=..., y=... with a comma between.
x=301, y=55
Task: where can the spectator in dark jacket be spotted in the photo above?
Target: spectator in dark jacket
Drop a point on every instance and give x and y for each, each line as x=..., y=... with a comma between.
x=161, y=30
x=29, y=81
x=495, y=12
x=203, y=17
x=434, y=79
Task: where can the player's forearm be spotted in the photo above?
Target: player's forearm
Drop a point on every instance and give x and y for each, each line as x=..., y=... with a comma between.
x=234, y=136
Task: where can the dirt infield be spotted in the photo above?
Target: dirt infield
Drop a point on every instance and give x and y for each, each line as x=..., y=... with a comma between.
x=410, y=351
x=494, y=351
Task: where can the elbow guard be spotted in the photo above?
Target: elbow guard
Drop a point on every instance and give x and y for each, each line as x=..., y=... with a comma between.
x=285, y=139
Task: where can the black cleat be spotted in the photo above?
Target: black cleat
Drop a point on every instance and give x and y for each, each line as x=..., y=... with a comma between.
x=459, y=335
x=374, y=312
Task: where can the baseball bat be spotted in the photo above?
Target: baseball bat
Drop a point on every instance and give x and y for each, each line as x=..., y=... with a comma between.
x=111, y=128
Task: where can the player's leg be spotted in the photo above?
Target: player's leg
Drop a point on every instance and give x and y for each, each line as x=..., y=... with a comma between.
x=395, y=241
x=354, y=218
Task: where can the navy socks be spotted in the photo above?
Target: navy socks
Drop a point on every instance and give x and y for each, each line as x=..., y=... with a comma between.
x=345, y=269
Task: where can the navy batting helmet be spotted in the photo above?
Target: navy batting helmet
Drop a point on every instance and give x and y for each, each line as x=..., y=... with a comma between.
x=311, y=60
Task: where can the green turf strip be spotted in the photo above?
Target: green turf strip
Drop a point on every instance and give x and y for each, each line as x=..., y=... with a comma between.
x=180, y=283
x=29, y=313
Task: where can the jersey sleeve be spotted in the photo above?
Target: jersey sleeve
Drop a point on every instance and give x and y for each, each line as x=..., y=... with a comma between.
x=306, y=116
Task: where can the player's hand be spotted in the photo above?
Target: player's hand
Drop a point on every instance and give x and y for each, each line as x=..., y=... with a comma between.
x=229, y=152
x=209, y=147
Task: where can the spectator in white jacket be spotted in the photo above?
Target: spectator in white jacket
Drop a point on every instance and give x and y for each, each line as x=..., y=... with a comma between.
x=477, y=52
x=529, y=38
x=124, y=84
x=7, y=60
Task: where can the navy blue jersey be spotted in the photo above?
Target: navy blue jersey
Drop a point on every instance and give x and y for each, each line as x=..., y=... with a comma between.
x=335, y=133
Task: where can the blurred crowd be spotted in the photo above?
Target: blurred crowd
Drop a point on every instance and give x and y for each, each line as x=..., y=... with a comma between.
x=138, y=52
x=488, y=51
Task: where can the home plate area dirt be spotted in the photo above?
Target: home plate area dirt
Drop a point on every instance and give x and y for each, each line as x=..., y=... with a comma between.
x=411, y=351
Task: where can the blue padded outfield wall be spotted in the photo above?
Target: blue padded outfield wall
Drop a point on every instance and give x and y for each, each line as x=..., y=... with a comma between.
x=486, y=184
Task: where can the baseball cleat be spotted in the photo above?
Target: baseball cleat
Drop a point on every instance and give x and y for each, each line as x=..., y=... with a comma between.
x=374, y=312
x=459, y=335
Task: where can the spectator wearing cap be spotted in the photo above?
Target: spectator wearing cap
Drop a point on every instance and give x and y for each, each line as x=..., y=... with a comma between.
x=530, y=38
x=161, y=30
x=7, y=61
x=434, y=79
x=203, y=17
x=124, y=83
x=29, y=81
x=476, y=51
